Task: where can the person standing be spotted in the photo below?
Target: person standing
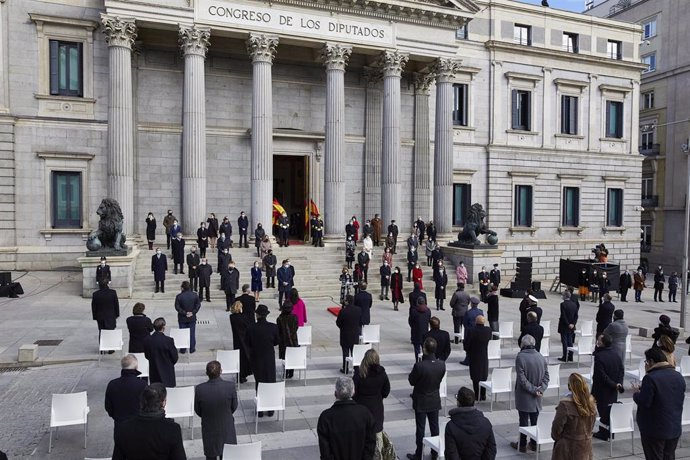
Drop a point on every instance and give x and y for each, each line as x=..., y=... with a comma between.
x=265, y=247
x=459, y=304
x=215, y=402
x=572, y=425
x=160, y=350
x=243, y=227
x=350, y=231
x=255, y=274
x=270, y=261
x=387, y=256
x=150, y=230
x=413, y=242
x=346, y=430
x=418, y=275
x=624, y=284
x=366, y=230
x=193, y=261
x=492, y=307
x=299, y=309
x=470, y=318
x=664, y=328
x=461, y=273
x=178, y=244
x=393, y=232
x=212, y=229
x=530, y=384
x=283, y=230
x=204, y=275
x=175, y=230
x=385, y=273
x=349, y=251
x=495, y=276
x=483, y=278
x=607, y=381
x=355, y=224
x=259, y=235
x=618, y=331
x=239, y=324
x=363, y=300
x=226, y=229
x=349, y=322
x=168, y=221
x=431, y=230
x=230, y=283
x=223, y=247
x=105, y=308
x=604, y=314
x=363, y=260
x=286, y=280
x=672, y=287
x=468, y=433
x=372, y=386
x=425, y=378
x=566, y=326
x=187, y=305
x=202, y=239
x=477, y=355
x=103, y=271
x=140, y=328
x=441, y=281
x=441, y=337
x=429, y=247
x=583, y=284
x=638, y=285
x=604, y=286
x=534, y=329
x=287, y=333
x=659, y=280
x=376, y=227
x=262, y=337
x=397, y=288
x=659, y=412
x=122, y=394
x=420, y=228
x=419, y=324
x=318, y=233
x=412, y=258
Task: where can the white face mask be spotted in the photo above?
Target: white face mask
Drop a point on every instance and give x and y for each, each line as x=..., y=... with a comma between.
x=158, y=252
x=203, y=262
x=102, y=264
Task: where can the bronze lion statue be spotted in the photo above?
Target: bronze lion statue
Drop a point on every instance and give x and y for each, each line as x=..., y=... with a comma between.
x=475, y=226
x=109, y=233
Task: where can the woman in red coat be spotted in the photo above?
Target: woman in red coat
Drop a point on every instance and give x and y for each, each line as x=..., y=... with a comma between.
x=396, y=288
x=417, y=275
x=355, y=224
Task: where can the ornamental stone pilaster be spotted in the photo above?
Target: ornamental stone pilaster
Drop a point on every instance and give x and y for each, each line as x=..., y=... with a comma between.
x=373, y=141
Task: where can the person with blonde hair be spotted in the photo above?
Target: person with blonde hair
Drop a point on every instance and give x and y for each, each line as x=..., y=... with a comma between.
x=665, y=344
x=573, y=423
x=371, y=387
x=239, y=323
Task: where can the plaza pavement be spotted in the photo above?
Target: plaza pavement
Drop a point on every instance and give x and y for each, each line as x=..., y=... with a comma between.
x=53, y=309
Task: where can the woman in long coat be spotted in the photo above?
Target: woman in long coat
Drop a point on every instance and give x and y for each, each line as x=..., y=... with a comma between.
x=239, y=324
x=287, y=333
x=396, y=288
x=257, y=285
x=151, y=230
x=212, y=229
x=573, y=423
x=387, y=256
x=262, y=338
x=371, y=387
x=476, y=346
x=418, y=275
x=140, y=328
x=441, y=281
x=259, y=235
x=299, y=309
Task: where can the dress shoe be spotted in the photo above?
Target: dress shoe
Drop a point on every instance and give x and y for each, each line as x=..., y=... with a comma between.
x=532, y=447
x=157, y=290
x=457, y=340
x=243, y=380
x=163, y=291
x=183, y=351
x=270, y=413
x=111, y=352
x=261, y=415
x=342, y=370
x=515, y=446
x=600, y=435
x=181, y=273
x=175, y=272
x=443, y=309
x=464, y=363
x=192, y=351
x=413, y=457
x=562, y=359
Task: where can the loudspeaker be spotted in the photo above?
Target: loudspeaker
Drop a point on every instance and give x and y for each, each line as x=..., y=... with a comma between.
x=536, y=285
x=5, y=278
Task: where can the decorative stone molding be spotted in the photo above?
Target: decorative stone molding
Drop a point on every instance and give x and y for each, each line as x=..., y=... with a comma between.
x=194, y=40
x=423, y=82
x=335, y=55
x=372, y=76
x=446, y=68
x=118, y=31
x=262, y=47
x=393, y=62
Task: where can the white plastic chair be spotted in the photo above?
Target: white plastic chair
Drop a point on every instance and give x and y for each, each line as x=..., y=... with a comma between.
x=443, y=390
x=584, y=347
x=295, y=360
x=545, y=349
x=554, y=378
x=500, y=382
x=250, y=451
x=638, y=373
x=68, y=409
x=685, y=366
x=304, y=338
x=541, y=432
x=142, y=365
x=460, y=335
x=590, y=376
x=547, y=328
x=586, y=329
x=111, y=340
x=357, y=356
x=269, y=397
x=685, y=419
x=436, y=443
x=371, y=333
x=180, y=403
x=505, y=331
x=494, y=350
x=621, y=421
x=182, y=339
x=628, y=346
x=229, y=362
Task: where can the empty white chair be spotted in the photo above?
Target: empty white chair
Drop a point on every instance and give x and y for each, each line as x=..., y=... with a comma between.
x=295, y=360
x=142, y=365
x=547, y=328
x=250, y=451
x=584, y=347
x=554, y=377
x=545, y=349
x=111, y=340
x=357, y=356
x=436, y=443
x=68, y=409
x=588, y=377
x=685, y=366
x=505, y=330
x=461, y=334
x=494, y=350
x=541, y=433
x=180, y=403
x=500, y=382
x=621, y=421
x=638, y=373
x=628, y=346
x=181, y=338
x=685, y=419
x=443, y=390
x=304, y=338
x=371, y=333
x=269, y=397
x=229, y=362
x=586, y=329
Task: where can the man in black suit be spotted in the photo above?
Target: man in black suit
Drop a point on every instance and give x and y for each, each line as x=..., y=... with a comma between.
x=243, y=225
x=103, y=271
x=150, y=435
x=566, y=325
x=159, y=265
x=105, y=308
x=495, y=276
x=441, y=337
x=607, y=381
x=215, y=401
x=160, y=350
x=248, y=304
x=363, y=301
x=363, y=260
x=204, y=272
x=178, y=244
x=393, y=230
x=193, y=262
x=415, y=294
x=534, y=329
x=122, y=394
x=426, y=379
x=187, y=304
x=349, y=322
x=262, y=339
x=604, y=314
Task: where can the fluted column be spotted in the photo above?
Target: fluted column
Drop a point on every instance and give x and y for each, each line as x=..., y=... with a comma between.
x=421, y=193
x=392, y=63
x=444, y=69
x=262, y=50
x=372, y=142
x=120, y=35
x=194, y=42
x=334, y=57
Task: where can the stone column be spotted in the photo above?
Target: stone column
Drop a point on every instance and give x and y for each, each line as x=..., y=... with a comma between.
x=262, y=49
x=334, y=57
x=422, y=146
x=372, y=143
x=120, y=35
x=445, y=69
x=194, y=42
x=392, y=63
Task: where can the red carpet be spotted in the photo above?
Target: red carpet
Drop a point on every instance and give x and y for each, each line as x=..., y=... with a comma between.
x=335, y=311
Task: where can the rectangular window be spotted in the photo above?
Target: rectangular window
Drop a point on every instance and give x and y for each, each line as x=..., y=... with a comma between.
x=523, y=206
x=647, y=187
x=570, y=42
x=646, y=237
x=66, y=68
x=462, y=201
x=614, y=207
x=647, y=140
x=650, y=61
x=460, y=104
x=66, y=199
x=462, y=33
x=649, y=29
x=522, y=110
x=648, y=100
x=569, y=114
x=613, y=49
x=522, y=34
x=614, y=119
x=571, y=206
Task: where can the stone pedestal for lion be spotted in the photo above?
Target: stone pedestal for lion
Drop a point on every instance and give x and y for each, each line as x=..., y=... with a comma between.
x=121, y=270
x=474, y=258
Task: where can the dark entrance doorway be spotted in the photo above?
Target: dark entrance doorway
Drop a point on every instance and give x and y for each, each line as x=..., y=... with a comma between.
x=290, y=179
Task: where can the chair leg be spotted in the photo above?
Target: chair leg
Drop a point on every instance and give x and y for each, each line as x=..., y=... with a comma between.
x=284, y=420
x=85, y=427
x=493, y=396
x=191, y=422
x=50, y=440
x=305, y=377
x=256, y=420
x=610, y=443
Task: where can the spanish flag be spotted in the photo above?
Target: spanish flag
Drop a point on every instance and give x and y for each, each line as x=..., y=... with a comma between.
x=314, y=209
x=278, y=210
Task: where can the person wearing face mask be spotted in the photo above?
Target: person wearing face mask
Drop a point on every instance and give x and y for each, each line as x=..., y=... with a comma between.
x=212, y=228
x=223, y=252
x=259, y=235
x=385, y=272
x=178, y=244
x=397, y=288
x=417, y=275
x=461, y=273
x=175, y=230
x=243, y=226
x=363, y=260
x=638, y=285
x=105, y=307
x=318, y=232
x=393, y=233
x=270, y=262
x=429, y=247
x=345, y=284
x=349, y=251
x=159, y=265
x=168, y=221
x=583, y=284
x=150, y=230
x=204, y=275
x=103, y=271
x=226, y=228
x=193, y=261
x=286, y=280
x=441, y=281
x=230, y=283
x=283, y=230
x=256, y=279
x=659, y=280
x=202, y=239
x=624, y=283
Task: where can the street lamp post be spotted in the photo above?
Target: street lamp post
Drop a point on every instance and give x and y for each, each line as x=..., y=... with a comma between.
x=686, y=237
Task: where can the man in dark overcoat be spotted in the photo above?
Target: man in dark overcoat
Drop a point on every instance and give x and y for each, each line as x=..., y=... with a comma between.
x=270, y=261
x=105, y=307
x=243, y=226
x=624, y=284
x=230, y=283
x=178, y=244
x=215, y=401
x=122, y=394
x=604, y=314
x=363, y=300
x=159, y=265
x=534, y=329
x=248, y=304
x=318, y=233
x=476, y=346
x=566, y=325
x=202, y=239
x=193, y=261
x=168, y=223
x=204, y=272
x=607, y=381
x=226, y=229
x=441, y=337
x=393, y=230
x=286, y=280
x=363, y=260
x=349, y=322
x=420, y=228
x=262, y=338
x=376, y=226
x=160, y=350
x=103, y=271
x=187, y=305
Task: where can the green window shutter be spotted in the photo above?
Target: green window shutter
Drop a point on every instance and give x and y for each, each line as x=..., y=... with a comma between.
x=54, y=67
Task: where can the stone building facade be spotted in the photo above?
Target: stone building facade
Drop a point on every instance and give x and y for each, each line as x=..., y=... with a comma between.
x=396, y=107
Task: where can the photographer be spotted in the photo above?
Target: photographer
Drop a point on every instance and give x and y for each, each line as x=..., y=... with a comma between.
x=601, y=254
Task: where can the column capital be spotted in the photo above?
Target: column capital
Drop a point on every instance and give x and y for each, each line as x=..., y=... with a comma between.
x=446, y=68
x=371, y=75
x=335, y=55
x=194, y=40
x=262, y=47
x=393, y=62
x=119, y=31
x=423, y=82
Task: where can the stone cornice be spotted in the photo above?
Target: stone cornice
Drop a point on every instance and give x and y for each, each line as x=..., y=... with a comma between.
x=119, y=31
x=393, y=62
x=335, y=55
x=41, y=18
x=262, y=47
x=194, y=40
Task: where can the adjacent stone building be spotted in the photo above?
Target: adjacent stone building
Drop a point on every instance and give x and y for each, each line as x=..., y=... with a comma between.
x=397, y=107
